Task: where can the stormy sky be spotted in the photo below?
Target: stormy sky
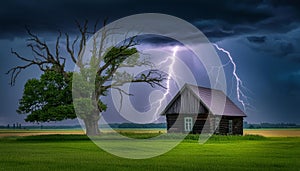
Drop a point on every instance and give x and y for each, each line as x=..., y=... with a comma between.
x=262, y=36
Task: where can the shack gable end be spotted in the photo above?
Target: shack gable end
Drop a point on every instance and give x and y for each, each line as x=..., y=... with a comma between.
x=187, y=103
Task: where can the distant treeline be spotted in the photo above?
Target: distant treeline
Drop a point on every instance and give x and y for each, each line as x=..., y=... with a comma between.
x=40, y=126
x=134, y=125
x=112, y=125
x=270, y=125
x=150, y=125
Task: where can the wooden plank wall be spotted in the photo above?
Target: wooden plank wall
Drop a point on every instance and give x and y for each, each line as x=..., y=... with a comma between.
x=237, y=125
x=186, y=103
x=200, y=119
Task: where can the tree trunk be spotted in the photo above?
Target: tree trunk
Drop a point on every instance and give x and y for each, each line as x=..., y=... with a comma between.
x=92, y=127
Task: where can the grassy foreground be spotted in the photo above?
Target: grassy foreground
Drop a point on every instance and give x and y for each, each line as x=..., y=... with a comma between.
x=77, y=152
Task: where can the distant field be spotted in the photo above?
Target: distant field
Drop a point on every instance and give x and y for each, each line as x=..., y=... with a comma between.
x=273, y=132
x=16, y=132
x=262, y=132
x=12, y=133
x=77, y=152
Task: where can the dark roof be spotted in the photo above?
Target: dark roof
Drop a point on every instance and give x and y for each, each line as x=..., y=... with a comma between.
x=214, y=100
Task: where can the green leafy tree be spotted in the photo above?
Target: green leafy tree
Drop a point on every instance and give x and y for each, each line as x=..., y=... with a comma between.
x=48, y=98
x=100, y=74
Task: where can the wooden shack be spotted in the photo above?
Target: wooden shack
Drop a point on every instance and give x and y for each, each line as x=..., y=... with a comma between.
x=197, y=109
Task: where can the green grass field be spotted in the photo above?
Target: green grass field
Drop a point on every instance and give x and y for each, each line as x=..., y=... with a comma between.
x=77, y=152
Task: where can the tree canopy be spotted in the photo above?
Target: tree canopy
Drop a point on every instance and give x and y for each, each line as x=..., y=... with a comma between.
x=48, y=98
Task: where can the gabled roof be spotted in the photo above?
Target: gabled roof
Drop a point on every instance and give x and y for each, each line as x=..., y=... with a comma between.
x=214, y=100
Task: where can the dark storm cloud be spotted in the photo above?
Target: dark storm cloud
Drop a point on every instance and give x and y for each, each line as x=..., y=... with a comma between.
x=214, y=18
x=280, y=45
x=281, y=50
x=157, y=41
x=256, y=39
x=252, y=17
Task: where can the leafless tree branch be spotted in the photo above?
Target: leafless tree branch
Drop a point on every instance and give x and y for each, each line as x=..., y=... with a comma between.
x=71, y=49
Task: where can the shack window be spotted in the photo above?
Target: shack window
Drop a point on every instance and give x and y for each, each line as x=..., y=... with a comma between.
x=188, y=124
x=230, y=126
x=217, y=123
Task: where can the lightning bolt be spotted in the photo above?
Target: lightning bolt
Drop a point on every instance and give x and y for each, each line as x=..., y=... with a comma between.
x=241, y=96
x=170, y=71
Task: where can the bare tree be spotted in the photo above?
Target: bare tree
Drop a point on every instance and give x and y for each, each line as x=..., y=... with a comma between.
x=102, y=72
